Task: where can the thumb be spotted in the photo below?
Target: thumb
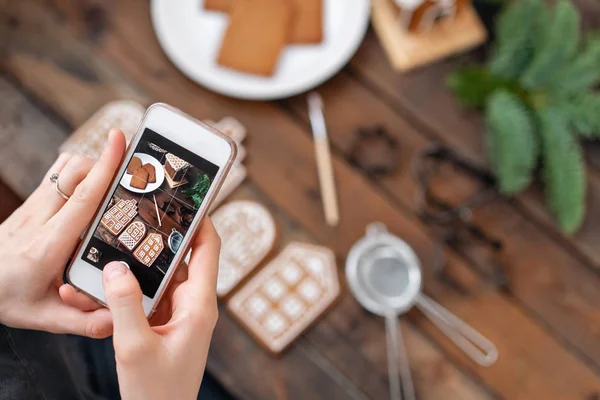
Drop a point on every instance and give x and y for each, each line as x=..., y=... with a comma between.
x=124, y=299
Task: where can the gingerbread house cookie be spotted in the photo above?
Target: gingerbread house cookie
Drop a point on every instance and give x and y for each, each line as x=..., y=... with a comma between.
x=175, y=167
x=90, y=139
x=133, y=235
x=234, y=129
x=119, y=216
x=149, y=250
x=247, y=233
x=287, y=295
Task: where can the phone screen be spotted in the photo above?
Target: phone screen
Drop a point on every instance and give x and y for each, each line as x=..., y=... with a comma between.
x=151, y=209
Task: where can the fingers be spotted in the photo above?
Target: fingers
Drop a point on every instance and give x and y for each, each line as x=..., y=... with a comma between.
x=62, y=318
x=124, y=299
x=203, y=268
x=72, y=297
x=76, y=214
x=71, y=175
x=26, y=215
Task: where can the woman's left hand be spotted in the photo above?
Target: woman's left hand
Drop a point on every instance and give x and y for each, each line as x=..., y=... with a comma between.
x=38, y=239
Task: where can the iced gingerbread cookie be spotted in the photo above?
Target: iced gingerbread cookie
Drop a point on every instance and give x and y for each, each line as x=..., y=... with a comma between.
x=90, y=139
x=236, y=176
x=234, y=129
x=149, y=250
x=247, y=233
x=133, y=235
x=287, y=295
x=119, y=216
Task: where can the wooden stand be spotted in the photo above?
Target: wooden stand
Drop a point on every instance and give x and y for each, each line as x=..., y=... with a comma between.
x=407, y=50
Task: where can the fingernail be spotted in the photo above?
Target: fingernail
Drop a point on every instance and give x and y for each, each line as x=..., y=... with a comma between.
x=115, y=270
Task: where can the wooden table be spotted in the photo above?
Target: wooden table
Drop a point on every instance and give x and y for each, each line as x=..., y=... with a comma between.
x=61, y=60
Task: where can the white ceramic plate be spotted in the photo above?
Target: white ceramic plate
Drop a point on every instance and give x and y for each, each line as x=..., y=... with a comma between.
x=150, y=187
x=191, y=38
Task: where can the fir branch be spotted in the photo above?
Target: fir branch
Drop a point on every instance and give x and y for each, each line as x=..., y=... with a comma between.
x=473, y=85
x=583, y=111
x=515, y=36
x=564, y=170
x=582, y=72
x=557, y=45
x=511, y=141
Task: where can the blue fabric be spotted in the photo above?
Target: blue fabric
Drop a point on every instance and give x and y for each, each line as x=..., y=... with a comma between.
x=39, y=365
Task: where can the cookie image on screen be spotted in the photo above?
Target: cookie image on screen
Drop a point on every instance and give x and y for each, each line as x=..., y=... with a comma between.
x=133, y=235
x=150, y=249
x=119, y=215
x=151, y=209
x=175, y=166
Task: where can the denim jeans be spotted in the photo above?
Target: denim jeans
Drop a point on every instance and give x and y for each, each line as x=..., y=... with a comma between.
x=39, y=365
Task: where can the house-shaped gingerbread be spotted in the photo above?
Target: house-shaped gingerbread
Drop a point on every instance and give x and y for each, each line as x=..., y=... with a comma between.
x=421, y=15
x=175, y=167
x=149, y=250
x=417, y=32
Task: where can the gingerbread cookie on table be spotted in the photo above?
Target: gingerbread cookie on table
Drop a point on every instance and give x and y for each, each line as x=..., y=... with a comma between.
x=248, y=234
x=134, y=165
x=256, y=36
x=119, y=216
x=234, y=129
x=132, y=235
x=285, y=297
x=149, y=250
x=217, y=5
x=91, y=138
x=151, y=172
x=307, y=26
x=139, y=179
x=175, y=170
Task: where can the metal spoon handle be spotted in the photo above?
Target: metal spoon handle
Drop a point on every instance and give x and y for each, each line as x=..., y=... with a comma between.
x=474, y=344
x=398, y=368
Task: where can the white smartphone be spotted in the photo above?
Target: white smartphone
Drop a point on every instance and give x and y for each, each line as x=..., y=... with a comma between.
x=173, y=169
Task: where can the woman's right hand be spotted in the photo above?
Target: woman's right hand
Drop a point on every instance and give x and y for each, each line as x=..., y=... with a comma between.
x=166, y=361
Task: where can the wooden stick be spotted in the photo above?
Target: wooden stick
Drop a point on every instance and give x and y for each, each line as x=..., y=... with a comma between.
x=323, y=156
x=157, y=213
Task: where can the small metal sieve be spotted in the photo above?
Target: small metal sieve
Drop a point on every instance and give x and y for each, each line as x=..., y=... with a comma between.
x=384, y=274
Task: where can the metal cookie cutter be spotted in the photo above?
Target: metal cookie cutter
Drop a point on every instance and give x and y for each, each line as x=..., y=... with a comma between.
x=384, y=275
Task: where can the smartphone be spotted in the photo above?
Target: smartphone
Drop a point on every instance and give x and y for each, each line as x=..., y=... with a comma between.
x=173, y=169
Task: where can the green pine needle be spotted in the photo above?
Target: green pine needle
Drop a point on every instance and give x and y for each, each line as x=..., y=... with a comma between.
x=515, y=39
x=564, y=170
x=473, y=85
x=511, y=142
x=198, y=190
x=557, y=44
x=582, y=72
x=538, y=94
x=584, y=113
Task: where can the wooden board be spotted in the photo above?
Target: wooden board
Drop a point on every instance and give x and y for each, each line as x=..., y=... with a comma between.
x=29, y=140
x=424, y=99
x=545, y=326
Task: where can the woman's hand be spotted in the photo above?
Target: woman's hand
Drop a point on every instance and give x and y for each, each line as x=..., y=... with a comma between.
x=38, y=239
x=165, y=361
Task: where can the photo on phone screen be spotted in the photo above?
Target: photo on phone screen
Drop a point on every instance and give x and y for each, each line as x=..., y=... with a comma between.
x=151, y=210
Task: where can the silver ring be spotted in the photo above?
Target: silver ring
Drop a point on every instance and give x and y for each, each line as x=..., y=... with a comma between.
x=54, y=179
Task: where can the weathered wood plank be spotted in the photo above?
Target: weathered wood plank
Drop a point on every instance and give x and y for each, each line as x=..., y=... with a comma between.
x=29, y=140
x=358, y=374
x=455, y=379
x=423, y=97
x=530, y=252
x=276, y=141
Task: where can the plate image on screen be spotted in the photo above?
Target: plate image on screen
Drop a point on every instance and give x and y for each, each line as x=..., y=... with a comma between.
x=151, y=210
